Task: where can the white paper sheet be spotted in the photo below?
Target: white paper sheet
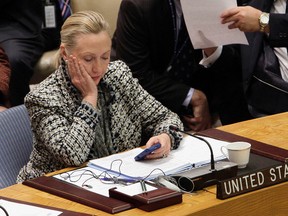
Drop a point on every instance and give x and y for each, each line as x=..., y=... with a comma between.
x=19, y=209
x=192, y=152
x=84, y=178
x=204, y=26
x=134, y=189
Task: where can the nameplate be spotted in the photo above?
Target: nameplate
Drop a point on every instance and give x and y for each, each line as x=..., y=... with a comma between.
x=252, y=181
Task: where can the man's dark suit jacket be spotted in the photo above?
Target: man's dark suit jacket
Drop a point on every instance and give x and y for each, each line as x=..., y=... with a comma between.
x=144, y=39
x=278, y=37
x=17, y=20
x=24, y=19
x=24, y=41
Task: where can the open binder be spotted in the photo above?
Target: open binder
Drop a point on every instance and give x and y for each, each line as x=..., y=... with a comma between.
x=191, y=153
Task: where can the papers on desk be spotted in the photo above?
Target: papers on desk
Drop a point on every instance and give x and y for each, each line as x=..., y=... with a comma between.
x=16, y=209
x=134, y=189
x=83, y=178
x=204, y=26
x=191, y=153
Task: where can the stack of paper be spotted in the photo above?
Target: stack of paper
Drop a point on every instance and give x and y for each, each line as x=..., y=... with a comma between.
x=191, y=153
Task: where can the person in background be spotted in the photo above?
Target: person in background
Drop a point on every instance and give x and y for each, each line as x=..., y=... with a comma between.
x=91, y=107
x=4, y=80
x=50, y=36
x=265, y=59
x=23, y=35
x=151, y=37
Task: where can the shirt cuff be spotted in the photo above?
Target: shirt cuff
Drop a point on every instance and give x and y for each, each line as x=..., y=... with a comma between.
x=209, y=61
x=188, y=97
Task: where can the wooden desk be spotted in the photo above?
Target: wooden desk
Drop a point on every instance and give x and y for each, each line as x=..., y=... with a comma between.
x=271, y=201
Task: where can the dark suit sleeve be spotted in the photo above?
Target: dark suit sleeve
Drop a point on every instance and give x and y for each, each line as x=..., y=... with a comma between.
x=3, y=3
x=133, y=36
x=278, y=30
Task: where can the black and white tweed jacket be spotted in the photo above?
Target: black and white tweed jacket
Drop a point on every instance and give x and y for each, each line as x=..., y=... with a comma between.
x=68, y=132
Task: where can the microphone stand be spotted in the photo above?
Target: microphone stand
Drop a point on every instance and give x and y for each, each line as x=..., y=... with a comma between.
x=212, y=162
x=202, y=176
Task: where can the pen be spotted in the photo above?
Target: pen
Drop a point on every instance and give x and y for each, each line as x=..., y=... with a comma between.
x=118, y=180
x=143, y=186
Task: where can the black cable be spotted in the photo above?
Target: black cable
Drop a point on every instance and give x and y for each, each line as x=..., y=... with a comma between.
x=4, y=210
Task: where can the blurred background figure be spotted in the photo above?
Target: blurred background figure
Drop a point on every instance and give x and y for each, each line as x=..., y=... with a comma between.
x=4, y=80
x=152, y=38
x=27, y=29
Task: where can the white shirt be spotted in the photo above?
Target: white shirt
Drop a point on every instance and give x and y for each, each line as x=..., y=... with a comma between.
x=206, y=61
x=279, y=6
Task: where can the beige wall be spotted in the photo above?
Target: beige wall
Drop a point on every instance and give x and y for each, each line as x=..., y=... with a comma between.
x=108, y=8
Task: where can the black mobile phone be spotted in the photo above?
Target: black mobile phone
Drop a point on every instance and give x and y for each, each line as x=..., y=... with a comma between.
x=146, y=152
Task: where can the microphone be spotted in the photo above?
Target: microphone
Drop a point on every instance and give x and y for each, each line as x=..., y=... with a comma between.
x=203, y=176
x=212, y=162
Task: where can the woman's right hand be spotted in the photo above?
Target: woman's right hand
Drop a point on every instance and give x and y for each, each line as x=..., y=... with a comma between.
x=82, y=80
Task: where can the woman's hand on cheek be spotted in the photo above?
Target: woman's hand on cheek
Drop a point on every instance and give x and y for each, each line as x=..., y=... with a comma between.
x=82, y=80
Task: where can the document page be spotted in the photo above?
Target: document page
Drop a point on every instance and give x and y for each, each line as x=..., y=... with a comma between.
x=89, y=179
x=191, y=153
x=16, y=209
x=124, y=165
x=204, y=26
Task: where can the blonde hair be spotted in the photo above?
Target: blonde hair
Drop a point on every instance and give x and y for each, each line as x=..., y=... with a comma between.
x=82, y=22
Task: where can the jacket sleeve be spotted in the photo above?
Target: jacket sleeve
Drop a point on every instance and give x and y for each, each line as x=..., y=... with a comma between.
x=65, y=132
x=278, y=30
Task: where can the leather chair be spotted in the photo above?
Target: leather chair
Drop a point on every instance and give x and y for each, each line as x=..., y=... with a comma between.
x=15, y=142
x=108, y=8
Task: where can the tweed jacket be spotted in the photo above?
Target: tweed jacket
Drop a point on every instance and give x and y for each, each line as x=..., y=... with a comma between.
x=65, y=128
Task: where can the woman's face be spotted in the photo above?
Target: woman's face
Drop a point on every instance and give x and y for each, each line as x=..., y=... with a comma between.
x=93, y=51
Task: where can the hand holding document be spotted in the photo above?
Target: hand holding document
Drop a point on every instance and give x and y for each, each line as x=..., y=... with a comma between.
x=204, y=26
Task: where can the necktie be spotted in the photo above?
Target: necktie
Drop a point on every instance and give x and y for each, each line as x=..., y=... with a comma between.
x=65, y=8
x=182, y=66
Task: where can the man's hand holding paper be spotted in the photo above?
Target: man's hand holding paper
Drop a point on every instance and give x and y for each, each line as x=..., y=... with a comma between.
x=204, y=25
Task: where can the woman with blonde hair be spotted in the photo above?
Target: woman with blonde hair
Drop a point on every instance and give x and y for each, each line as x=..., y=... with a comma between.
x=91, y=107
